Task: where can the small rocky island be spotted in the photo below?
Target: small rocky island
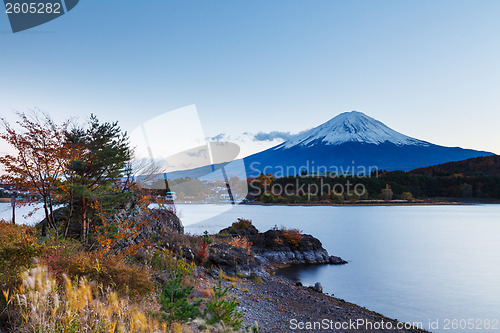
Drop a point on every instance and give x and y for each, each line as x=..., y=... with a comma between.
x=278, y=246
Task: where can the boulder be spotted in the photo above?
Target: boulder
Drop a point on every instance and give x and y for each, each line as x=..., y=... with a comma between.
x=317, y=287
x=336, y=260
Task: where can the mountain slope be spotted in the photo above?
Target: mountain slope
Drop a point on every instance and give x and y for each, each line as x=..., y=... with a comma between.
x=352, y=142
x=488, y=165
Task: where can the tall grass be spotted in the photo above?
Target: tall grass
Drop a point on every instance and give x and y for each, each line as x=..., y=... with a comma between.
x=80, y=306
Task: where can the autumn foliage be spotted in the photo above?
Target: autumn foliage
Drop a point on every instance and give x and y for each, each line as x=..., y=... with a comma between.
x=241, y=242
x=40, y=161
x=292, y=236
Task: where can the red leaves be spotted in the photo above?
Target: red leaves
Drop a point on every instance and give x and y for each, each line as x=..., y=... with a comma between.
x=203, y=253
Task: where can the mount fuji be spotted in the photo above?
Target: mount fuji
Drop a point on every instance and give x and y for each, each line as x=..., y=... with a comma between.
x=353, y=139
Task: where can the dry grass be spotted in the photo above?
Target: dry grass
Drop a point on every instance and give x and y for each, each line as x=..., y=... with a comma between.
x=80, y=307
x=68, y=289
x=111, y=271
x=206, y=292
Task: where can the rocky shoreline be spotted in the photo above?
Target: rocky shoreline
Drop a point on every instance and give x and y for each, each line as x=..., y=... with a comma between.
x=277, y=304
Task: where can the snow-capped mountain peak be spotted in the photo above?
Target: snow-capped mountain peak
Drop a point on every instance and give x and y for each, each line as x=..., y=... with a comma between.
x=351, y=126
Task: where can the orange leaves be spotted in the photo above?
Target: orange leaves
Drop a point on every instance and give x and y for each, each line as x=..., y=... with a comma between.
x=241, y=242
x=278, y=241
x=266, y=179
x=292, y=236
x=114, y=233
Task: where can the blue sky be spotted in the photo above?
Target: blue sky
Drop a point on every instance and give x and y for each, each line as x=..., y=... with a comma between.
x=429, y=69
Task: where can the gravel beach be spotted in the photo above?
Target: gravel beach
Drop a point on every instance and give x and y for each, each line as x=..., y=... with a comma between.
x=280, y=306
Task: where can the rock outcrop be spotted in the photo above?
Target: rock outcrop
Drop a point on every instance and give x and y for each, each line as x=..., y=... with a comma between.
x=232, y=259
x=159, y=221
x=282, y=246
x=153, y=224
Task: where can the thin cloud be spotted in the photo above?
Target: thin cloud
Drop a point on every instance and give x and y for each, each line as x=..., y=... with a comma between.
x=271, y=136
x=219, y=137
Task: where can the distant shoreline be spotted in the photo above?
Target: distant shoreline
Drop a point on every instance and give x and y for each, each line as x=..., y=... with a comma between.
x=428, y=202
x=357, y=204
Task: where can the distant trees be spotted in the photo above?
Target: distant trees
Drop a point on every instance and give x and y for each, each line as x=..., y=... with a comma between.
x=402, y=185
x=267, y=197
x=352, y=196
x=406, y=196
x=467, y=190
x=387, y=193
x=293, y=198
x=337, y=197
x=487, y=165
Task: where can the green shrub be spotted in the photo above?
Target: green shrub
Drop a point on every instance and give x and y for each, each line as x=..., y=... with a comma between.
x=221, y=310
x=313, y=197
x=18, y=248
x=174, y=300
x=242, y=224
x=206, y=238
x=352, y=196
x=280, y=200
x=267, y=198
x=337, y=197
x=255, y=278
x=304, y=198
x=167, y=261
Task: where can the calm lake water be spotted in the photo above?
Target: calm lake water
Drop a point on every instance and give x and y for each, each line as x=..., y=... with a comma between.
x=412, y=263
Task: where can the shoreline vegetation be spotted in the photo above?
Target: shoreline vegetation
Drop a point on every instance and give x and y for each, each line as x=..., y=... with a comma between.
x=366, y=203
x=472, y=180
